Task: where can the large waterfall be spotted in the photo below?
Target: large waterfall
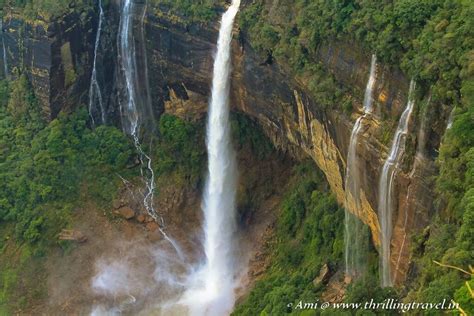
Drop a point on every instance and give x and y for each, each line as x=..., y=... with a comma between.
x=356, y=232
x=95, y=94
x=212, y=288
x=385, y=203
x=135, y=105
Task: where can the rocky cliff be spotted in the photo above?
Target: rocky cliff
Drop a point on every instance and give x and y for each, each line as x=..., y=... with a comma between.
x=55, y=53
x=58, y=57
x=181, y=61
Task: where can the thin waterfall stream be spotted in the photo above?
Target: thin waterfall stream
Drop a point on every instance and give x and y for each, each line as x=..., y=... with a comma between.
x=212, y=287
x=129, y=105
x=356, y=234
x=95, y=94
x=450, y=119
x=135, y=106
x=4, y=50
x=385, y=203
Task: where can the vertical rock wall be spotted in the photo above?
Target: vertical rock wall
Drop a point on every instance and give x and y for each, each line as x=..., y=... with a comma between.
x=56, y=55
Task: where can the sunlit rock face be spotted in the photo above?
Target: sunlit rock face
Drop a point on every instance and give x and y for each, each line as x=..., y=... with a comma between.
x=181, y=62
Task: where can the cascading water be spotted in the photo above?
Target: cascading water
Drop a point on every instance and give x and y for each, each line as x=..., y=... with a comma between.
x=356, y=234
x=129, y=104
x=4, y=49
x=135, y=106
x=95, y=94
x=212, y=287
x=385, y=203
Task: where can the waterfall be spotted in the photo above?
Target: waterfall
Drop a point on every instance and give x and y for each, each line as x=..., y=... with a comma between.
x=5, y=60
x=450, y=119
x=134, y=106
x=356, y=234
x=212, y=290
x=95, y=94
x=385, y=203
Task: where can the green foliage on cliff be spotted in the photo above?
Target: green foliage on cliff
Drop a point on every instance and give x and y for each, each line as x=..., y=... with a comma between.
x=431, y=40
x=309, y=234
x=42, y=165
x=192, y=11
x=449, y=60
x=450, y=238
x=180, y=147
x=245, y=131
x=282, y=32
x=46, y=171
x=48, y=9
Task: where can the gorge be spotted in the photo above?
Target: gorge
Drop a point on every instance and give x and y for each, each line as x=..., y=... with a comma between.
x=334, y=100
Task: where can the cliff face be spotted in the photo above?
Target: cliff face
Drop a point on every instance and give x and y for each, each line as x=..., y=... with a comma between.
x=56, y=55
x=181, y=61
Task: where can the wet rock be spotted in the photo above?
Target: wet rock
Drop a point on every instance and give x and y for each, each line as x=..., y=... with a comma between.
x=324, y=275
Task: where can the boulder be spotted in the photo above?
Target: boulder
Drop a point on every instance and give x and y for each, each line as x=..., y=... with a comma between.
x=72, y=235
x=116, y=204
x=141, y=218
x=323, y=276
x=125, y=212
x=152, y=226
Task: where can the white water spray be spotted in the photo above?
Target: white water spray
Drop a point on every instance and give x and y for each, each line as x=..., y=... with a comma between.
x=355, y=231
x=95, y=94
x=212, y=287
x=385, y=203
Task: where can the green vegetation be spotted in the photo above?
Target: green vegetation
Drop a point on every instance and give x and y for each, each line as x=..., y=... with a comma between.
x=309, y=233
x=42, y=166
x=192, y=11
x=48, y=9
x=431, y=40
x=42, y=171
x=245, y=131
x=450, y=238
x=180, y=148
